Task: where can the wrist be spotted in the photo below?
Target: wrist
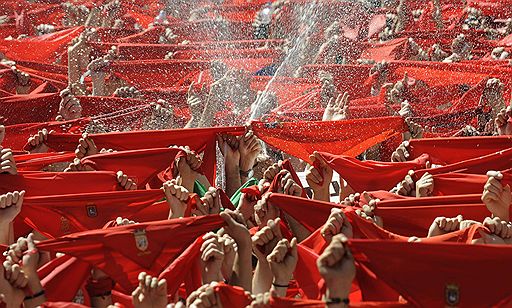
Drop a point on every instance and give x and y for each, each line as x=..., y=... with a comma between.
x=246, y=165
x=281, y=281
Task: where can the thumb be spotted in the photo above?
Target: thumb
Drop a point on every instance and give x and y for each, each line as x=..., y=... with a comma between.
x=293, y=247
x=20, y=199
x=30, y=242
x=227, y=218
x=506, y=189
x=135, y=295
x=367, y=196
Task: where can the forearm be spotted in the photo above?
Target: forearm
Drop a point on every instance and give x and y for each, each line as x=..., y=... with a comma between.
x=233, y=181
x=73, y=71
x=36, y=288
x=101, y=301
x=262, y=281
x=341, y=292
x=242, y=271
x=98, y=86
x=321, y=195
x=208, y=115
x=5, y=233
x=300, y=232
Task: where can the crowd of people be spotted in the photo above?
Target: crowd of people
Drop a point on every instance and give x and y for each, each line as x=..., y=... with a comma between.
x=232, y=153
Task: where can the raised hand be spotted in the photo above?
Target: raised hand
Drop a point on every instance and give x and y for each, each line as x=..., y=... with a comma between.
x=125, y=181
x=401, y=154
x=336, y=223
x=150, y=293
x=10, y=206
x=188, y=167
x=499, y=227
x=264, y=211
x=235, y=227
x=38, y=140
x=2, y=134
x=120, y=221
x=205, y=297
x=288, y=186
x=272, y=171
x=443, y=225
x=212, y=257
x=337, y=109
x=69, y=107
x=502, y=121
x=249, y=148
x=7, y=163
x=283, y=260
x=211, y=203
x=336, y=265
x=196, y=101
x=176, y=197
x=497, y=197
x=264, y=241
x=425, y=185
x=407, y=187
x=230, y=249
x=319, y=177
x=127, y=92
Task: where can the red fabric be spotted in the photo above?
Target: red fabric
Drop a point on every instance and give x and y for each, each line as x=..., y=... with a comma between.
x=480, y=165
x=142, y=165
x=401, y=264
x=198, y=139
x=110, y=251
x=232, y=295
x=460, y=183
x=442, y=150
x=184, y=269
x=57, y=215
x=349, y=137
x=44, y=49
x=58, y=183
x=62, y=277
x=31, y=162
x=370, y=175
x=16, y=136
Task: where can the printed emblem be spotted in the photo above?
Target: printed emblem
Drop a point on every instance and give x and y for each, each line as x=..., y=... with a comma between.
x=64, y=225
x=452, y=295
x=92, y=211
x=141, y=240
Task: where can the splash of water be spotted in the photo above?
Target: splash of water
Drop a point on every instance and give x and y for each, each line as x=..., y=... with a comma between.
x=307, y=17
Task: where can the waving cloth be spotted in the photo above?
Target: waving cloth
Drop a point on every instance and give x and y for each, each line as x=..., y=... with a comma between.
x=349, y=137
x=198, y=139
x=446, y=271
x=372, y=175
x=143, y=165
x=57, y=215
x=58, y=183
x=123, y=252
x=44, y=49
x=445, y=151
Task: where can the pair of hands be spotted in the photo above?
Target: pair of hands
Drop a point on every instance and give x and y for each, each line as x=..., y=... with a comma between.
x=218, y=257
x=280, y=254
x=423, y=187
x=20, y=270
x=240, y=151
x=178, y=196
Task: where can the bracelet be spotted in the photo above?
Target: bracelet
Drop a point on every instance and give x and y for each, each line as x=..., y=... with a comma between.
x=280, y=285
x=337, y=300
x=38, y=294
